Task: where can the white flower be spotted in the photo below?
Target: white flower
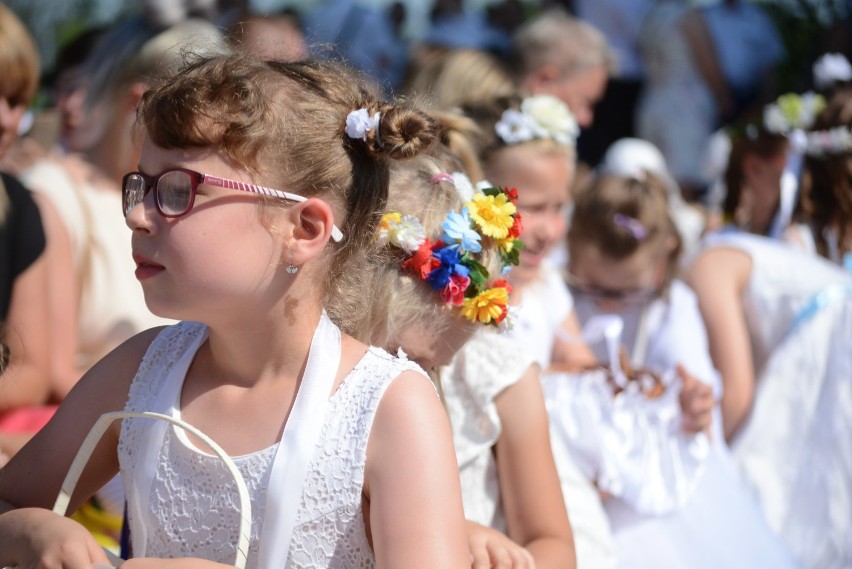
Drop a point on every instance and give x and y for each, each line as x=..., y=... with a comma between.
x=542, y=116
x=359, y=123
x=831, y=68
x=822, y=143
x=551, y=118
x=774, y=120
x=514, y=127
x=482, y=185
x=463, y=185
x=791, y=111
x=407, y=234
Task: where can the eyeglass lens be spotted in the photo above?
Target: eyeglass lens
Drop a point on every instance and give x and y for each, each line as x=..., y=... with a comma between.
x=173, y=192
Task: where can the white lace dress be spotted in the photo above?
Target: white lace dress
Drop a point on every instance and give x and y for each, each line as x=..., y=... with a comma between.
x=488, y=364
x=192, y=507
x=545, y=305
x=794, y=449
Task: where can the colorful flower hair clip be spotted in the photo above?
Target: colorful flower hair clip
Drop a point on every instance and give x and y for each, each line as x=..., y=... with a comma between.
x=541, y=116
x=451, y=265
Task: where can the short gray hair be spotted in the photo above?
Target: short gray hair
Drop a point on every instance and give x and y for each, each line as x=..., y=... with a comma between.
x=558, y=39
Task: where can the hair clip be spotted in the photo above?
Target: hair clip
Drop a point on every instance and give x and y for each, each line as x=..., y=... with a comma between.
x=632, y=225
x=359, y=123
x=450, y=265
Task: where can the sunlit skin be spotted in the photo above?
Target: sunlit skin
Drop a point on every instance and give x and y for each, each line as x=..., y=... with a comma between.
x=636, y=277
x=580, y=90
x=761, y=192
x=10, y=120
x=432, y=348
x=543, y=181
x=82, y=124
x=172, y=255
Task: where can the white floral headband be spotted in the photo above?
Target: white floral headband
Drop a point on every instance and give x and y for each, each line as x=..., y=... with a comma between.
x=541, y=116
x=822, y=143
x=792, y=112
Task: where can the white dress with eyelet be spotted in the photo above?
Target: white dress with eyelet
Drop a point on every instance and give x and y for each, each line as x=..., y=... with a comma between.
x=488, y=364
x=192, y=506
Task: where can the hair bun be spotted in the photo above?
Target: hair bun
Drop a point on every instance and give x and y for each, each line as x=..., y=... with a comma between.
x=403, y=133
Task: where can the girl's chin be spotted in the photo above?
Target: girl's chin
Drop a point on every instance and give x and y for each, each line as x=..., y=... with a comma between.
x=530, y=260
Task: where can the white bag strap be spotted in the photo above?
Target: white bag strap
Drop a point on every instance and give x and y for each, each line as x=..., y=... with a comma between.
x=94, y=437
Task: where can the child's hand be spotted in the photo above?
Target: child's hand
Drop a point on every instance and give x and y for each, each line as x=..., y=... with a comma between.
x=696, y=402
x=36, y=537
x=491, y=549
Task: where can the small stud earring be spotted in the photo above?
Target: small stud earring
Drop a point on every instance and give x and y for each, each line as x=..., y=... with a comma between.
x=292, y=269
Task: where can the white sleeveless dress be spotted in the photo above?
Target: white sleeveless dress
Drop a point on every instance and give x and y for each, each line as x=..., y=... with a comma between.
x=677, y=499
x=794, y=448
x=192, y=506
x=486, y=365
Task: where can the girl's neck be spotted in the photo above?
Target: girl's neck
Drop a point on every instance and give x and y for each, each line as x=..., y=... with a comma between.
x=268, y=346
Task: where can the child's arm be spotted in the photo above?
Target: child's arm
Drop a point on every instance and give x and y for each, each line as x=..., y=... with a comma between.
x=32, y=479
x=696, y=402
x=529, y=484
x=570, y=352
x=719, y=277
x=412, y=483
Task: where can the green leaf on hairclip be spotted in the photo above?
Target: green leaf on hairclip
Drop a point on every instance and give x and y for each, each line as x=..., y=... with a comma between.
x=493, y=192
x=478, y=275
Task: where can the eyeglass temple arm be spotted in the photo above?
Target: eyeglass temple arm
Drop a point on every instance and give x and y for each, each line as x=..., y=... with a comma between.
x=336, y=234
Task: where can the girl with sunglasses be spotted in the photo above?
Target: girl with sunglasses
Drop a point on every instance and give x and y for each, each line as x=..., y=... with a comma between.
x=258, y=185
x=624, y=253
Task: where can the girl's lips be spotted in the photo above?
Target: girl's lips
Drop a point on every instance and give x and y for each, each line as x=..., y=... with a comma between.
x=146, y=269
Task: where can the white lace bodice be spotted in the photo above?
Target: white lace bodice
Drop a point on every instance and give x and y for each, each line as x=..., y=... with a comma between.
x=192, y=506
x=485, y=366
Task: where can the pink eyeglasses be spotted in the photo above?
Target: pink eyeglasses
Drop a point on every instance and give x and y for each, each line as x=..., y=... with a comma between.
x=175, y=188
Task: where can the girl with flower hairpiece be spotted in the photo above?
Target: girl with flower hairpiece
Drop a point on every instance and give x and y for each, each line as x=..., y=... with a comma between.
x=542, y=169
x=823, y=215
x=435, y=288
x=674, y=488
x=322, y=427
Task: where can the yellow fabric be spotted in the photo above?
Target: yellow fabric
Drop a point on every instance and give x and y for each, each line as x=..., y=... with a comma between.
x=104, y=526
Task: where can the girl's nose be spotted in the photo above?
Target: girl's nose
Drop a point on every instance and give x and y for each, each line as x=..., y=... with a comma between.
x=143, y=216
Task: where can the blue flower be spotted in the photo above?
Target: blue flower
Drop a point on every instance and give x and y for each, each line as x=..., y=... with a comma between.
x=458, y=233
x=450, y=265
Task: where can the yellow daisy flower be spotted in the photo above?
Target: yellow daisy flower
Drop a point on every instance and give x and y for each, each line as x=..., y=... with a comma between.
x=493, y=214
x=486, y=306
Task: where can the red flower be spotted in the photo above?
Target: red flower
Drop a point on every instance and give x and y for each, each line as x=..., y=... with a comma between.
x=512, y=194
x=422, y=262
x=503, y=283
x=517, y=227
x=453, y=293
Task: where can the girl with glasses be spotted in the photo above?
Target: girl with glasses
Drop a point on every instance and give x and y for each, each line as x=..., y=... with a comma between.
x=258, y=186
x=624, y=253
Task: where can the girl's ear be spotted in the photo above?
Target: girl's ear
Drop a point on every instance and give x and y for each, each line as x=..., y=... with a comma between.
x=672, y=242
x=312, y=223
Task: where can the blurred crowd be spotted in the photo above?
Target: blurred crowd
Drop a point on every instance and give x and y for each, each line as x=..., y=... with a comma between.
x=691, y=224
